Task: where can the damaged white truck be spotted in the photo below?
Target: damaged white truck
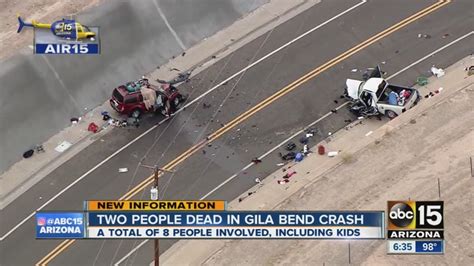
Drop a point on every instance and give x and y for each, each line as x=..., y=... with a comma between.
x=374, y=96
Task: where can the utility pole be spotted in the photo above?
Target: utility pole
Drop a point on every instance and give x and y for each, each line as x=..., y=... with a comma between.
x=155, y=196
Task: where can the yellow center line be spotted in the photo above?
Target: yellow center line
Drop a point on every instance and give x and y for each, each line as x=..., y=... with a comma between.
x=237, y=120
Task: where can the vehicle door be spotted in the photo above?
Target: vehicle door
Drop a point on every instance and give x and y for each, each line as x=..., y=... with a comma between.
x=373, y=73
x=132, y=101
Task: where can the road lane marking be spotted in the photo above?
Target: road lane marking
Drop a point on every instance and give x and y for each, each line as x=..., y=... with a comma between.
x=65, y=244
x=178, y=111
x=288, y=89
x=300, y=132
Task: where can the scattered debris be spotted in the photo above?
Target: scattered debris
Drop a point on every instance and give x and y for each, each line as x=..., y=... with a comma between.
x=334, y=111
x=289, y=156
x=332, y=153
x=299, y=157
x=182, y=77
x=329, y=133
x=280, y=164
x=256, y=160
x=305, y=149
x=309, y=135
x=312, y=131
x=431, y=94
x=321, y=150
x=353, y=125
x=133, y=121
x=27, y=154
x=288, y=175
x=348, y=120
x=426, y=36
x=39, y=149
x=336, y=102
x=354, y=70
x=470, y=71
x=183, y=54
x=383, y=62
x=445, y=35
x=421, y=81
x=290, y=146
x=369, y=133
x=438, y=72
x=248, y=194
x=93, y=127
x=75, y=120
x=257, y=180
x=304, y=140
x=286, y=178
x=123, y=170
x=63, y=146
x=214, y=57
x=105, y=116
x=360, y=117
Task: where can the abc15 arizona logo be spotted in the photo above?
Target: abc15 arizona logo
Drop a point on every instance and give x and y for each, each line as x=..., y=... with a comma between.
x=415, y=220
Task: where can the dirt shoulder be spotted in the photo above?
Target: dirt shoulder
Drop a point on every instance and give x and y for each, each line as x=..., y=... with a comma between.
x=41, y=10
x=402, y=159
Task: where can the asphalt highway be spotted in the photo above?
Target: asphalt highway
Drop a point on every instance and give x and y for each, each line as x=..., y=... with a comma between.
x=236, y=143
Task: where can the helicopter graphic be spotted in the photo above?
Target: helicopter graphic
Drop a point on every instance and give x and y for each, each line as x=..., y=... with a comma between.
x=64, y=28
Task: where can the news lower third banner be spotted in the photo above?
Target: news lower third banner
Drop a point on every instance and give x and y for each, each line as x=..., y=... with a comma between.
x=224, y=225
x=154, y=205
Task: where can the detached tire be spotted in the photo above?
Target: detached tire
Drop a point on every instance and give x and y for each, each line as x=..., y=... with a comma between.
x=390, y=114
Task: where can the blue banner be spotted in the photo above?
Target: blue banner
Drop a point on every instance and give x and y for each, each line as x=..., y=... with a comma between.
x=67, y=48
x=235, y=218
x=60, y=225
x=435, y=246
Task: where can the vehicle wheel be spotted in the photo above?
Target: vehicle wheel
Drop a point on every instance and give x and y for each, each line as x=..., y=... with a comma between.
x=390, y=114
x=136, y=113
